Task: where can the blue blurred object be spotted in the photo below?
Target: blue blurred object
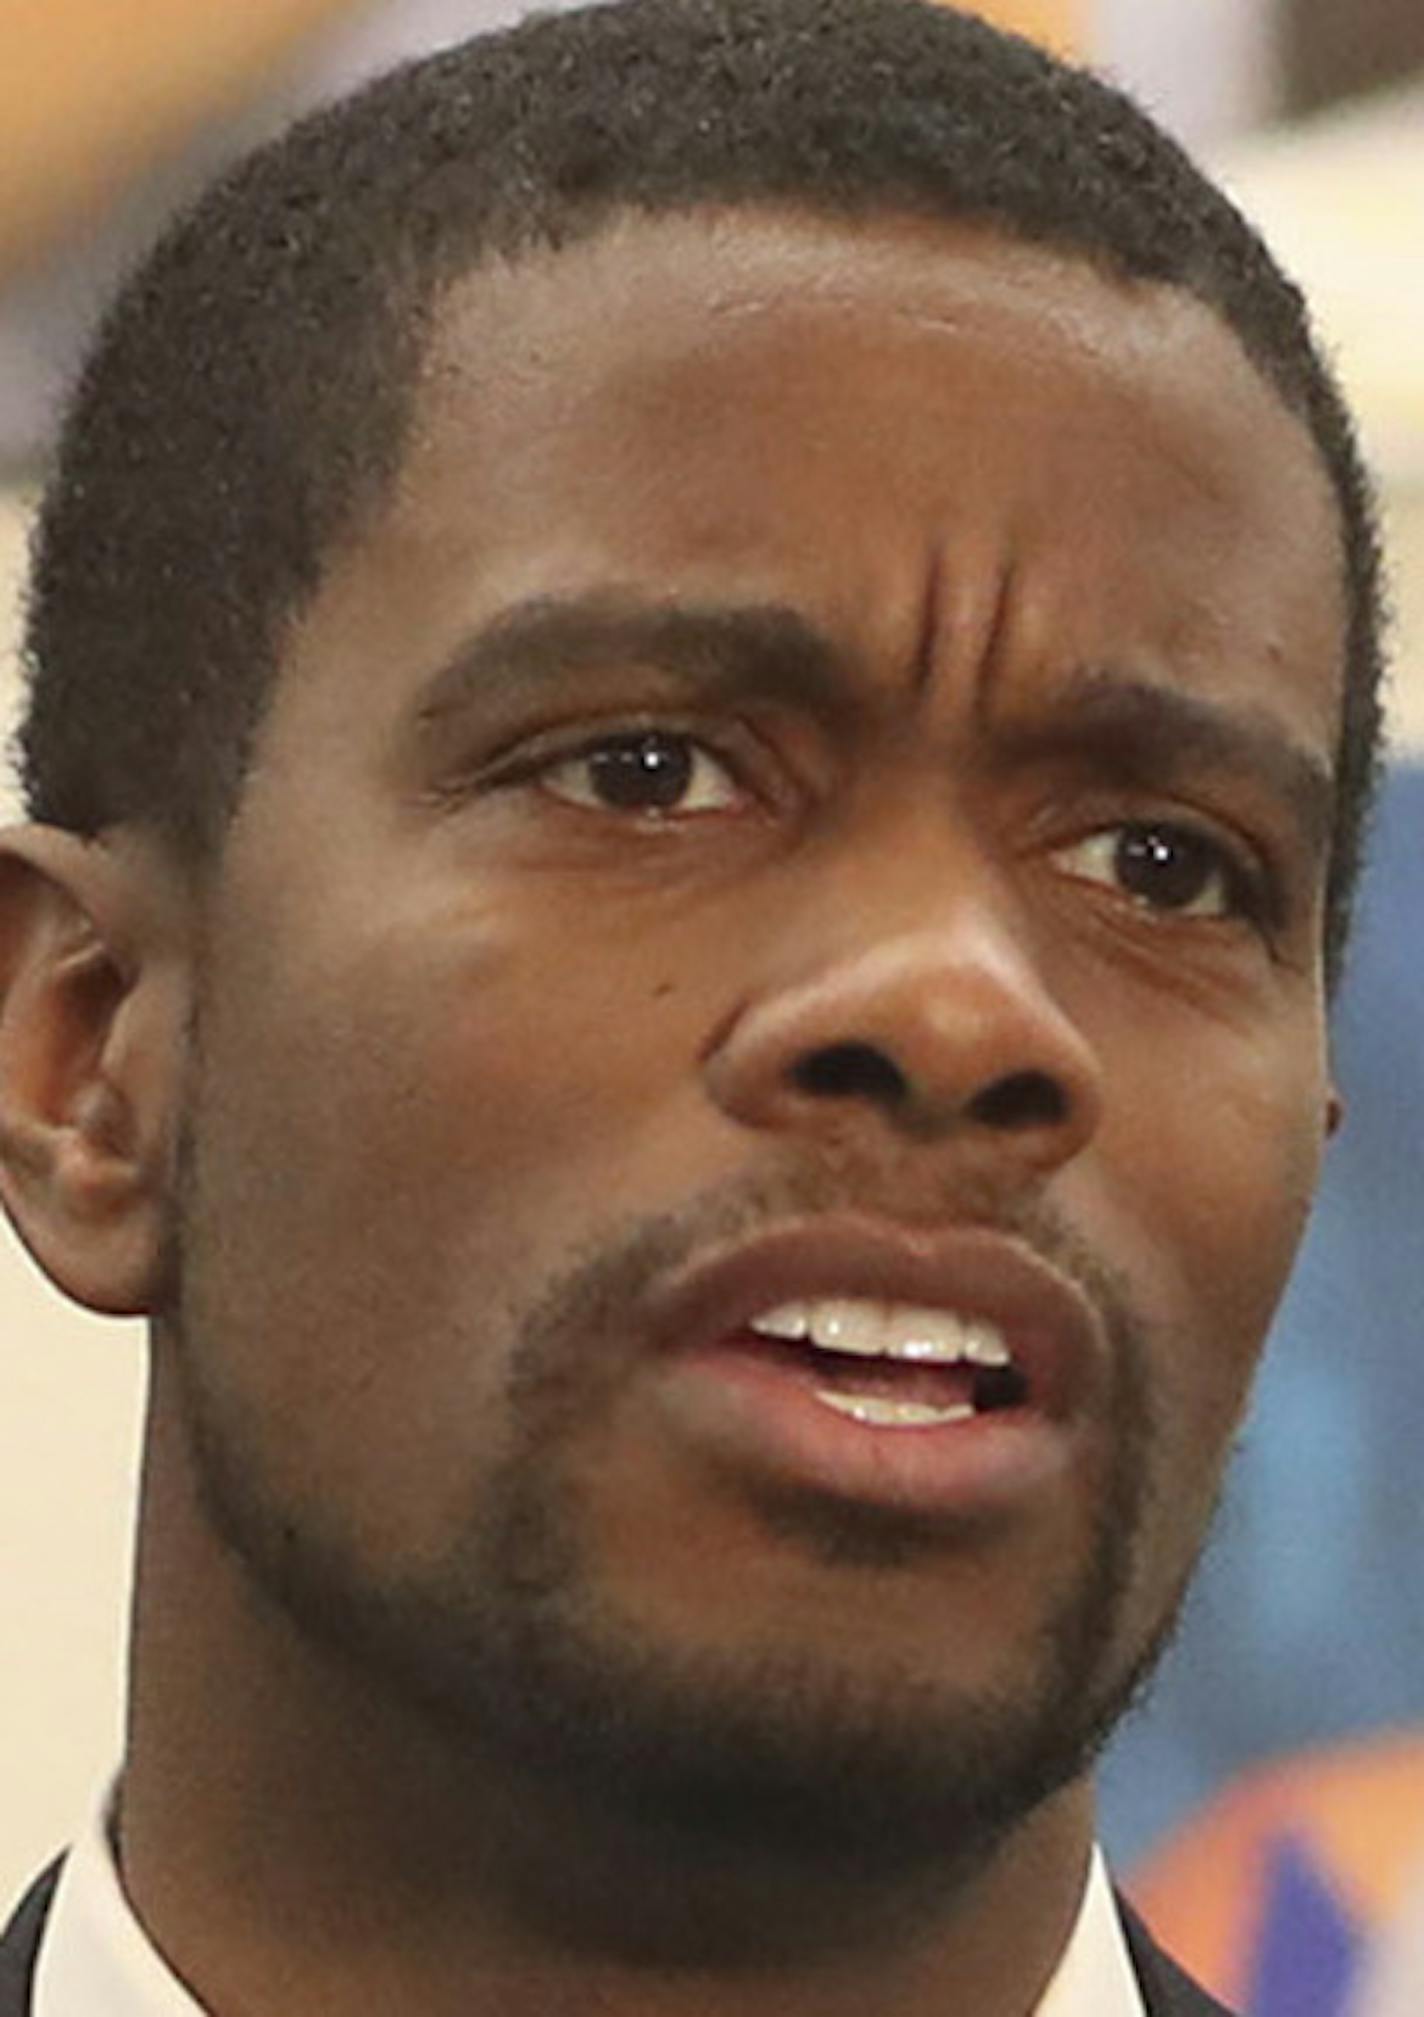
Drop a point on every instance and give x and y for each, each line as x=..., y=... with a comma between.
x=1309, y=1954
x=1307, y=1623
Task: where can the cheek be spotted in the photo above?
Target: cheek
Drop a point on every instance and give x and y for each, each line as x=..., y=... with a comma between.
x=1198, y=1192
x=397, y=1150
x=446, y=1050
x=1223, y=1172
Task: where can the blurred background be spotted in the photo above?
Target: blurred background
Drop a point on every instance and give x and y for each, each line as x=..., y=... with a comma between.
x=1269, y=1798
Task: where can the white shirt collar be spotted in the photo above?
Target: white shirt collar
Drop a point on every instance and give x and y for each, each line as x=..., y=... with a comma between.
x=96, y=1956
x=1096, y=1977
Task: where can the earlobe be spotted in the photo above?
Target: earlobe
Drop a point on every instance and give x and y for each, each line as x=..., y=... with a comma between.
x=92, y=994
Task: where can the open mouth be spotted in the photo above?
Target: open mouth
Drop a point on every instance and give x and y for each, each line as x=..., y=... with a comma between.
x=955, y=1371
x=893, y=1365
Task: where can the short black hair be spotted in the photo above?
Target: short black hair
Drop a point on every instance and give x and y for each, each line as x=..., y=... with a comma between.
x=247, y=402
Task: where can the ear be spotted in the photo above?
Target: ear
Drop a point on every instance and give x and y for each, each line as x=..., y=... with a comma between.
x=1334, y=1111
x=94, y=988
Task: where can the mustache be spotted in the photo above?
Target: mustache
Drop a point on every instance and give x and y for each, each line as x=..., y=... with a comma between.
x=590, y=1299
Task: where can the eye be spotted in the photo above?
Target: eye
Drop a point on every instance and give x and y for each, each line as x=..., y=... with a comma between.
x=1163, y=866
x=644, y=771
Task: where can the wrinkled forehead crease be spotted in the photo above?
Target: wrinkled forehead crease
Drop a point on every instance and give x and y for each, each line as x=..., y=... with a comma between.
x=618, y=320
x=696, y=287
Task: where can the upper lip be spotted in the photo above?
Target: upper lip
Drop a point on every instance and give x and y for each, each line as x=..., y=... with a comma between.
x=1049, y=1323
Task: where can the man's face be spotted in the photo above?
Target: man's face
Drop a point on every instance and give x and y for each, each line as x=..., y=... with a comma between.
x=804, y=813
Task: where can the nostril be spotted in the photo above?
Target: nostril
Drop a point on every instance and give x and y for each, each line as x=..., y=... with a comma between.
x=1020, y=1100
x=851, y=1071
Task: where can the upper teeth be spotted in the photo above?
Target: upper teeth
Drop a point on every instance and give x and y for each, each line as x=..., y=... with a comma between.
x=886, y=1331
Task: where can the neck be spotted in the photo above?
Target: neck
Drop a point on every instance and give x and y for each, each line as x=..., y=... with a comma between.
x=293, y=1842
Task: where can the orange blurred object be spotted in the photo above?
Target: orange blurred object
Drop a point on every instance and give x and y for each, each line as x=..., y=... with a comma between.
x=1351, y=1818
x=1059, y=24
x=91, y=90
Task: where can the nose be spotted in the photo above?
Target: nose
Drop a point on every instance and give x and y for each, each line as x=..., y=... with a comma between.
x=927, y=1036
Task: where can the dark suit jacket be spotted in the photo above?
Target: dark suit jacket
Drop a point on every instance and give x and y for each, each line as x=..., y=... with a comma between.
x=1165, y=1989
x=19, y=1944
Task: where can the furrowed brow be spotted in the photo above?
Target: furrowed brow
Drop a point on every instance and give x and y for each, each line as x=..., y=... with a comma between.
x=720, y=654
x=1142, y=734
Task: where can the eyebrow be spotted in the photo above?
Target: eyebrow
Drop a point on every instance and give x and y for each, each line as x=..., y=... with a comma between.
x=766, y=650
x=1144, y=734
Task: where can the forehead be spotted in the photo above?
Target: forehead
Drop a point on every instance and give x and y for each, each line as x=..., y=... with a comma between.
x=633, y=313
x=766, y=406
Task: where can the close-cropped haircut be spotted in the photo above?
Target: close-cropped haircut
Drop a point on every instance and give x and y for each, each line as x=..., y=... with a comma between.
x=248, y=400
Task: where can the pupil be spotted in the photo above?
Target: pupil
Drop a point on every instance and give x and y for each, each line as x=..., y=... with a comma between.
x=641, y=772
x=1165, y=868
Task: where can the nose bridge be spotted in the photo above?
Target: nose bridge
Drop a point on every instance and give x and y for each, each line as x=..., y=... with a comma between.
x=928, y=1016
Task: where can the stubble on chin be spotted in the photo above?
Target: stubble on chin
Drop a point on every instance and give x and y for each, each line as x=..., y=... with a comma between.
x=510, y=1652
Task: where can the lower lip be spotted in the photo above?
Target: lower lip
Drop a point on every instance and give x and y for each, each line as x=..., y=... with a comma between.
x=757, y=1415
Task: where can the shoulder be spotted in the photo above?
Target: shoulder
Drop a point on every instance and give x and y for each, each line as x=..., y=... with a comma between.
x=1166, y=1990
x=20, y=1943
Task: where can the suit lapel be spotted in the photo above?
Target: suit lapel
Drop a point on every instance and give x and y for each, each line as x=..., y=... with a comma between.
x=20, y=1945
x=1166, y=1991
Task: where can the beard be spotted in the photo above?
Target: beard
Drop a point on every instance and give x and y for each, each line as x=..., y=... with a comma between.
x=509, y=1650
